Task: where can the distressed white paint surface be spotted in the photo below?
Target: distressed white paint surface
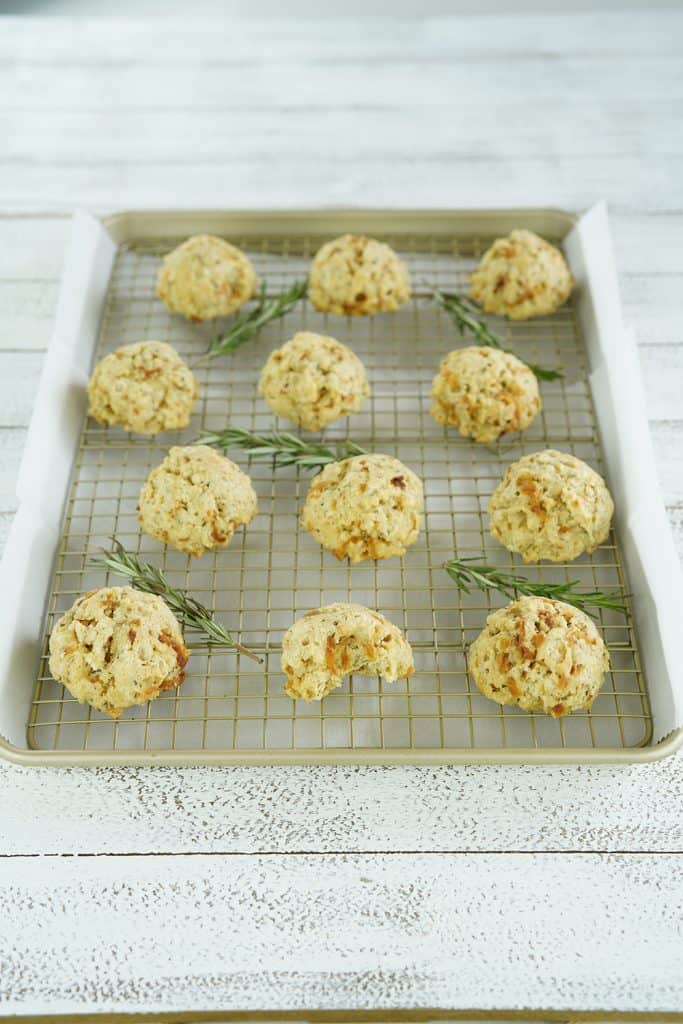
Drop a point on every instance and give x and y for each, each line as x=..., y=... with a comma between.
x=286, y=810
x=491, y=931
x=496, y=111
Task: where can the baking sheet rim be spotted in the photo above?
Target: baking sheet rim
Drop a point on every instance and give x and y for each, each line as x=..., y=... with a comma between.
x=127, y=225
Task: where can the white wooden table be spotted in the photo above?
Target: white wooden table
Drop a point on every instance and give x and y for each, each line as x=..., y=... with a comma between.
x=158, y=890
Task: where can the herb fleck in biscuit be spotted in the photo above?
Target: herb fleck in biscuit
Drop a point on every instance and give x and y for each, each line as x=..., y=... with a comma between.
x=540, y=655
x=195, y=500
x=550, y=505
x=521, y=276
x=145, y=387
x=485, y=393
x=117, y=647
x=357, y=276
x=332, y=642
x=206, y=277
x=313, y=380
x=366, y=507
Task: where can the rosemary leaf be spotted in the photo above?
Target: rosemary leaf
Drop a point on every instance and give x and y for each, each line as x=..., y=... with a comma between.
x=465, y=316
x=466, y=575
x=143, y=576
x=543, y=374
x=246, y=325
x=283, y=448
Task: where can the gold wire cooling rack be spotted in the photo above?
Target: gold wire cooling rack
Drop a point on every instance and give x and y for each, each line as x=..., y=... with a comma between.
x=274, y=571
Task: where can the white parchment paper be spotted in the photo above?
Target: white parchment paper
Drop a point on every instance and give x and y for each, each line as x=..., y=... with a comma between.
x=652, y=564
x=51, y=445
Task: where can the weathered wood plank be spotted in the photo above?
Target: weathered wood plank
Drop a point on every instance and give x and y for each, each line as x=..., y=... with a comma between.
x=662, y=368
x=26, y=314
x=204, y=135
x=342, y=809
x=653, y=304
x=507, y=931
x=12, y=442
x=19, y=376
x=301, y=83
x=32, y=249
x=667, y=440
x=324, y=175
x=608, y=35
x=5, y=525
x=648, y=244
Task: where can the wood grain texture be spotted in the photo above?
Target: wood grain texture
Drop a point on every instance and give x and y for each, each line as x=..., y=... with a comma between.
x=32, y=248
x=351, y=809
x=506, y=931
x=26, y=314
x=86, y=43
x=199, y=888
x=447, y=108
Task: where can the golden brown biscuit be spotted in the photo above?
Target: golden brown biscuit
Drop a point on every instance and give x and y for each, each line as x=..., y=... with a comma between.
x=195, y=500
x=313, y=380
x=550, y=505
x=485, y=393
x=338, y=640
x=206, y=277
x=144, y=387
x=366, y=507
x=521, y=276
x=357, y=276
x=539, y=655
x=117, y=647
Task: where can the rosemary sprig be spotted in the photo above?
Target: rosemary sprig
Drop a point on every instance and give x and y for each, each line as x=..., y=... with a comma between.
x=465, y=575
x=247, y=324
x=465, y=317
x=284, y=449
x=143, y=576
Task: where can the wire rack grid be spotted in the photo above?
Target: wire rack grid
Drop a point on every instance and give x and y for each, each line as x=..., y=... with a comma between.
x=273, y=571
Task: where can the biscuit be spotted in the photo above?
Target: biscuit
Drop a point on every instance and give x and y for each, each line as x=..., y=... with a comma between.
x=195, y=500
x=144, y=387
x=365, y=507
x=325, y=645
x=313, y=380
x=117, y=647
x=521, y=276
x=539, y=655
x=206, y=277
x=485, y=393
x=550, y=505
x=357, y=276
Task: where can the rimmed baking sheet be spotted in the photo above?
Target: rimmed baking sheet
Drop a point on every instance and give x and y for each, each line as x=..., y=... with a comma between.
x=233, y=711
